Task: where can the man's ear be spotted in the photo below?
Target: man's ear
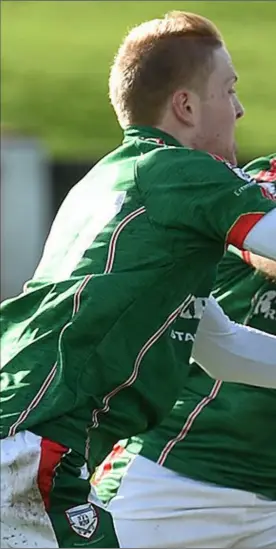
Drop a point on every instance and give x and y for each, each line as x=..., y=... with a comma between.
x=185, y=107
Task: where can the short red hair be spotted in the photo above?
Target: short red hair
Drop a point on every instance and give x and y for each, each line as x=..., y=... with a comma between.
x=155, y=59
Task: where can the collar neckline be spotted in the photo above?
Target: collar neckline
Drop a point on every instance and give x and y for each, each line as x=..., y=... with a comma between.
x=149, y=132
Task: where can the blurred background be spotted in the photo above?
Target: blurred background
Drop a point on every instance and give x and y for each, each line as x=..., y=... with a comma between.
x=56, y=121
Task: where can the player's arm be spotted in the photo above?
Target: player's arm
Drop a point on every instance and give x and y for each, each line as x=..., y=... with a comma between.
x=260, y=239
x=263, y=169
x=264, y=266
x=249, y=210
x=215, y=200
x=197, y=195
x=232, y=352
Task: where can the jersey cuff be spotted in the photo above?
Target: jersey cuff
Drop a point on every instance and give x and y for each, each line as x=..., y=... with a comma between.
x=240, y=229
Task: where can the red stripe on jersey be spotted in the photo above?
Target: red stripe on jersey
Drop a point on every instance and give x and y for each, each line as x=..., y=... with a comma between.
x=217, y=157
x=135, y=372
x=189, y=422
x=50, y=457
x=115, y=236
x=240, y=229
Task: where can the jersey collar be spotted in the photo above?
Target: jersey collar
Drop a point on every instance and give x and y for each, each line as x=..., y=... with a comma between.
x=149, y=132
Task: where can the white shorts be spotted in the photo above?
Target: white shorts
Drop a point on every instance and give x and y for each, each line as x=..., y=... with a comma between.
x=46, y=497
x=23, y=525
x=156, y=507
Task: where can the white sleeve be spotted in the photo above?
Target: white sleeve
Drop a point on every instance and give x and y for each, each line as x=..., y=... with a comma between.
x=232, y=352
x=261, y=240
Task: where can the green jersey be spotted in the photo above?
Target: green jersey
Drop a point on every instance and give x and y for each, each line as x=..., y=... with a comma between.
x=224, y=432
x=87, y=353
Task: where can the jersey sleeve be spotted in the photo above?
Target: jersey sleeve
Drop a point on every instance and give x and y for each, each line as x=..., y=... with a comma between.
x=232, y=352
x=192, y=189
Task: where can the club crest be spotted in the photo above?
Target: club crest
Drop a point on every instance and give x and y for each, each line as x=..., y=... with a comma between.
x=83, y=519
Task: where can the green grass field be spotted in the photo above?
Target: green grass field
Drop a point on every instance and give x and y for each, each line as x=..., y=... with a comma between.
x=56, y=57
